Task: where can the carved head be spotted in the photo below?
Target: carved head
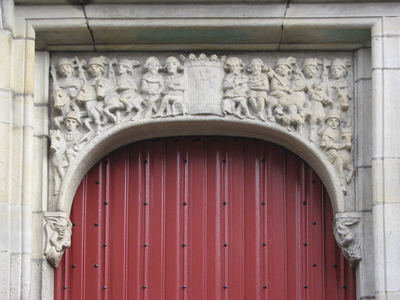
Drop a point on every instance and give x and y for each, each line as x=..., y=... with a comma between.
x=339, y=68
x=344, y=235
x=65, y=67
x=257, y=66
x=101, y=89
x=58, y=232
x=86, y=93
x=333, y=119
x=61, y=229
x=124, y=66
x=345, y=231
x=97, y=66
x=71, y=121
x=173, y=65
x=152, y=64
x=310, y=67
x=284, y=66
x=56, y=139
x=60, y=98
x=234, y=65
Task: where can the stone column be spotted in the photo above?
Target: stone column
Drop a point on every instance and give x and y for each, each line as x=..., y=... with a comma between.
x=16, y=150
x=363, y=154
x=386, y=156
x=6, y=95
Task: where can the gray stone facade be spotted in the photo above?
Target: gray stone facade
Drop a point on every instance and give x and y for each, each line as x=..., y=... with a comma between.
x=45, y=45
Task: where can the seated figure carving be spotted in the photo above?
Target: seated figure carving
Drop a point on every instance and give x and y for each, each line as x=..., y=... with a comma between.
x=152, y=85
x=172, y=100
x=235, y=86
x=259, y=87
x=126, y=87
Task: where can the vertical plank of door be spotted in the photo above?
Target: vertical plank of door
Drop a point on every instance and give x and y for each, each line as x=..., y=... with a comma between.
x=215, y=269
x=117, y=224
x=156, y=243
x=135, y=235
x=76, y=288
x=276, y=241
x=253, y=156
x=173, y=227
x=197, y=233
x=315, y=262
x=331, y=263
x=295, y=233
x=93, y=227
x=235, y=241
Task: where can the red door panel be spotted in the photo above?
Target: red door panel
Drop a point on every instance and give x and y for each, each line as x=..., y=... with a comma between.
x=203, y=218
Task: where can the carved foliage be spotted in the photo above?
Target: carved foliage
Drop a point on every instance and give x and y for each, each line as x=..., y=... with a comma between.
x=58, y=230
x=347, y=231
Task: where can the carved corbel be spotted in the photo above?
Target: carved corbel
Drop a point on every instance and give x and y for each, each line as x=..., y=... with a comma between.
x=58, y=230
x=347, y=231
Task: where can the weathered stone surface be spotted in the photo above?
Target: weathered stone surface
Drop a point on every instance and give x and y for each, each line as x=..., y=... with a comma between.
x=92, y=94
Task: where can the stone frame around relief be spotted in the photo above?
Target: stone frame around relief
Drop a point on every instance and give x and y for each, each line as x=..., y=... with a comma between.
x=247, y=129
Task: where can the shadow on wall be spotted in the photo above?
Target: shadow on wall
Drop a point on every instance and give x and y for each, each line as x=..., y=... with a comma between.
x=79, y=1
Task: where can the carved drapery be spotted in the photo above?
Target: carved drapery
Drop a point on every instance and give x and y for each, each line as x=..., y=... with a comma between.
x=309, y=96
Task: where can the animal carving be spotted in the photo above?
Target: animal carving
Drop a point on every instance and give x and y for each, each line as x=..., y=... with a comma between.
x=88, y=98
x=113, y=105
x=62, y=106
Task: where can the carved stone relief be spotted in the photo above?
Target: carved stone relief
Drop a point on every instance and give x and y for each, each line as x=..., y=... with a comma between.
x=58, y=230
x=347, y=231
x=309, y=96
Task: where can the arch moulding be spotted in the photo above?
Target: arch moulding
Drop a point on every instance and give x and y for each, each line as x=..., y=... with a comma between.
x=101, y=103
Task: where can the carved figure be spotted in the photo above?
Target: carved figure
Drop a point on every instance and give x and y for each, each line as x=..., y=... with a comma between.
x=297, y=120
x=72, y=136
x=288, y=96
x=340, y=88
x=112, y=104
x=280, y=83
x=94, y=108
x=58, y=232
x=67, y=82
x=105, y=89
x=316, y=93
x=127, y=88
x=337, y=146
x=259, y=86
x=235, y=88
x=59, y=158
x=174, y=87
x=96, y=69
x=65, y=89
x=346, y=231
x=152, y=84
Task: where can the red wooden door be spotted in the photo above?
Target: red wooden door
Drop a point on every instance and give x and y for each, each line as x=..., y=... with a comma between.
x=203, y=218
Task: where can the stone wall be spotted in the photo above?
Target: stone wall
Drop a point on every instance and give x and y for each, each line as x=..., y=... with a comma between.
x=368, y=34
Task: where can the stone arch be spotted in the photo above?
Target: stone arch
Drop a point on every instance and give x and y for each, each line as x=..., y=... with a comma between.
x=128, y=132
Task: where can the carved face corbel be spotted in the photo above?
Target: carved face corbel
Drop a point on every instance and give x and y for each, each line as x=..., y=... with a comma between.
x=347, y=231
x=58, y=230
